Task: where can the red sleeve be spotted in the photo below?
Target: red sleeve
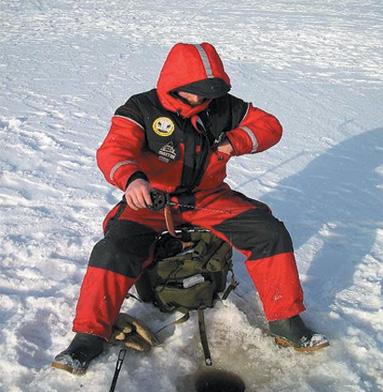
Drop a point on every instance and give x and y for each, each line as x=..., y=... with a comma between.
x=257, y=132
x=117, y=155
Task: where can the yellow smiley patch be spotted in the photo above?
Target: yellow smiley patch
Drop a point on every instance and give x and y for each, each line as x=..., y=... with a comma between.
x=163, y=126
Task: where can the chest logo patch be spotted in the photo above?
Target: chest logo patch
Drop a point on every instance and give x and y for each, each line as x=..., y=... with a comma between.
x=167, y=153
x=163, y=126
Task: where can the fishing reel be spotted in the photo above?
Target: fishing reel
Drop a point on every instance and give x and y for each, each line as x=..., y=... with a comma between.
x=159, y=200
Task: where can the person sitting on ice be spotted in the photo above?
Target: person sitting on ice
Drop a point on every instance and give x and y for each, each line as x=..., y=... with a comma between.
x=178, y=138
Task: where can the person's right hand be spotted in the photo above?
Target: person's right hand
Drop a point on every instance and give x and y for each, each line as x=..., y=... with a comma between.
x=137, y=194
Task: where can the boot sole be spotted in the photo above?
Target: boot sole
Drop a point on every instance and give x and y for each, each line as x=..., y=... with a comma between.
x=281, y=342
x=68, y=368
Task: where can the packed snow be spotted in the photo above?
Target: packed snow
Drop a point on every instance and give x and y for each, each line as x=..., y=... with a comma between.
x=66, y=65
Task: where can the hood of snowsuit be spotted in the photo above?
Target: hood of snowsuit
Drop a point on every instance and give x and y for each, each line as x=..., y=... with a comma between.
x=195, y=68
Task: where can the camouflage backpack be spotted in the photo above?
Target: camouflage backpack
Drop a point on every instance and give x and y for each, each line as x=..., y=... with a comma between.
x=188, y=274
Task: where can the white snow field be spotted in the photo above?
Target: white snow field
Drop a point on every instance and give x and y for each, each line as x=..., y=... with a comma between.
x=66, y=65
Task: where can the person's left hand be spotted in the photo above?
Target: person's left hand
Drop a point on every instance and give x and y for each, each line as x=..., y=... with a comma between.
x=225, y=147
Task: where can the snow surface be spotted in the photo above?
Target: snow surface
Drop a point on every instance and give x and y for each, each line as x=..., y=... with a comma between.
x=66, y=65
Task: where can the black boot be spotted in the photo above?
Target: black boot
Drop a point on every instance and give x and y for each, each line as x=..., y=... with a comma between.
x=292, y=332
x=76, y=358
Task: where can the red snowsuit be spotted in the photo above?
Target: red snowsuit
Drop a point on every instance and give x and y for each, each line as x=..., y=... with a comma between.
x=157, y=136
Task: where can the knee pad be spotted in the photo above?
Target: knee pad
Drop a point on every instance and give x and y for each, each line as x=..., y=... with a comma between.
x=257, y=231
x=124, y=249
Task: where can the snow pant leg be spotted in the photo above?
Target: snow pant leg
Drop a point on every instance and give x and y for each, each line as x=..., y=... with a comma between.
x=114, y=265
x=251, y=228
x=101, y=296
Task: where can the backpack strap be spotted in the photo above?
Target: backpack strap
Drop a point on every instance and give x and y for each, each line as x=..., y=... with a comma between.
x=181, y=320
x=203, y=337
x=233, y=284
x=202, y=332
x=130, y=295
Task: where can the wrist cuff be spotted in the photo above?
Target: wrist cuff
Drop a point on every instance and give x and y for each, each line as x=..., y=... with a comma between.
x=136, y=176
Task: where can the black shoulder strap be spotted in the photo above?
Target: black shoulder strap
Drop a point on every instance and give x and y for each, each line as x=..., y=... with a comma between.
x=203, y=337
x=189, y=159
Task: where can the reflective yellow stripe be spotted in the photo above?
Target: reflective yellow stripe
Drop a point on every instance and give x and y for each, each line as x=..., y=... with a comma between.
x=252, y=137
x=205, y=61
x=118, y=165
